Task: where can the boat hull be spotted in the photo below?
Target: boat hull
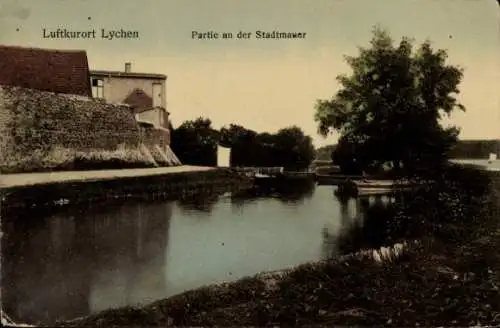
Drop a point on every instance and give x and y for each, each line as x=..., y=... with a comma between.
x=381, y=185
x=353, y=188
x=334, y=179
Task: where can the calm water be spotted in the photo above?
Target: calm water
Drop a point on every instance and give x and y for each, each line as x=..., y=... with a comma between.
x=76, y=262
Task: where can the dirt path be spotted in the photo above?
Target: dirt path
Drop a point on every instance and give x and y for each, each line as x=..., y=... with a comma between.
x=30, y=179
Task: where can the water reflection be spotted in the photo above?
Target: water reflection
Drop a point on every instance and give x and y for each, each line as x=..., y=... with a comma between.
x=69, y=263
x=130, y=243
x=198, y=203
x=293, y=191
x=72, y=263
x=365, y=224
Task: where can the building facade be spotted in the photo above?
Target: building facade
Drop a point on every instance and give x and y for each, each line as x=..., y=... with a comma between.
x=144, y=92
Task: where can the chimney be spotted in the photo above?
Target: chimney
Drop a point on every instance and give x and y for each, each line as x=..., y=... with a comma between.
x=128, y=67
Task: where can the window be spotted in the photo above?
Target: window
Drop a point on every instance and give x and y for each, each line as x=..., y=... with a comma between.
x=98, y=88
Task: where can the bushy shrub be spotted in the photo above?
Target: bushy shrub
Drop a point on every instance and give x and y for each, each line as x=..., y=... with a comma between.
x=451, y=208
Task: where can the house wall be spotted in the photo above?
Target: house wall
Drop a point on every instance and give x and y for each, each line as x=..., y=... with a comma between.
x=157, y=116
x=116, y=89
x=152, y=116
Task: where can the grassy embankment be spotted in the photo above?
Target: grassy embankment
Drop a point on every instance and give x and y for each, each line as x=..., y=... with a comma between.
x=450, y=277
x=43, y=131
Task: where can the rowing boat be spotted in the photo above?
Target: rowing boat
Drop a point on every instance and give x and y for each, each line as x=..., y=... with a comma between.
x=381, y=184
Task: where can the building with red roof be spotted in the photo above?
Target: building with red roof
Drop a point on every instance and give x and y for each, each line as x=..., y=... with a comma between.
x=60, y=71
x=144, y=92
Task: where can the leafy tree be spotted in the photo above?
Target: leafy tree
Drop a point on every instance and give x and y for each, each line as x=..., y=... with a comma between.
x=389, y=108
x=294, y=148
x=230, y=135
x=289, y=147
x=325, y=153
x=243, y=144
x=344, y=155
x=195, y=142
x=266, y=144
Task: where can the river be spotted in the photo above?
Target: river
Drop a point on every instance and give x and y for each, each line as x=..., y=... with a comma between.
x=77, y=261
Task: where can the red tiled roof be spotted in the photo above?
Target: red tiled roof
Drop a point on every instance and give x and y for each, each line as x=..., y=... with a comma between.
x=61, y=71
x=139, y=100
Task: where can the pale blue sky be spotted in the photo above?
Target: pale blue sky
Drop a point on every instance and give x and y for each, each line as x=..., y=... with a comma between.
x=268, y=84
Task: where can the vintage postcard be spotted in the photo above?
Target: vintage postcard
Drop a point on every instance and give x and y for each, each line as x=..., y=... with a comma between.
x=249, y=163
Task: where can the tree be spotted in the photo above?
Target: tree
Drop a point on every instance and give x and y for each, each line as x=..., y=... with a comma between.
x=230, y=135
x=344, y=156
x=242, y=142
x=267, y=152
x=325, y=153
x=294, y=148
x=289, y=147
x=389, y=108
x=195, y=142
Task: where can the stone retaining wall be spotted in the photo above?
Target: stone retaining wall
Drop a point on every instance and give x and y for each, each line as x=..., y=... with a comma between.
x=35, y=122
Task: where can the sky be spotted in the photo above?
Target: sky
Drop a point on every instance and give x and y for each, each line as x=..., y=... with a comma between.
x=266, y=85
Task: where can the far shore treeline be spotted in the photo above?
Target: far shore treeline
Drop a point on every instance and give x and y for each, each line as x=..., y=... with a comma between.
x=470, y=149
x=195, y=142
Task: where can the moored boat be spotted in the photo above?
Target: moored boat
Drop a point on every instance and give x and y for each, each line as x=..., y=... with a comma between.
x=367, y=187
x=374, y=192
x=335, y=179
x=381, y=184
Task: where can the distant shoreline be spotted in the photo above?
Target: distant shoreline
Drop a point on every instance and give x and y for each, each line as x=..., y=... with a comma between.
x=483, y=162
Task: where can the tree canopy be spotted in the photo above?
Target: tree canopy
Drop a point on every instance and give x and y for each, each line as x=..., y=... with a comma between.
x=195, y=142
x=289, y=147
x=388, y=110
x=325, y=153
